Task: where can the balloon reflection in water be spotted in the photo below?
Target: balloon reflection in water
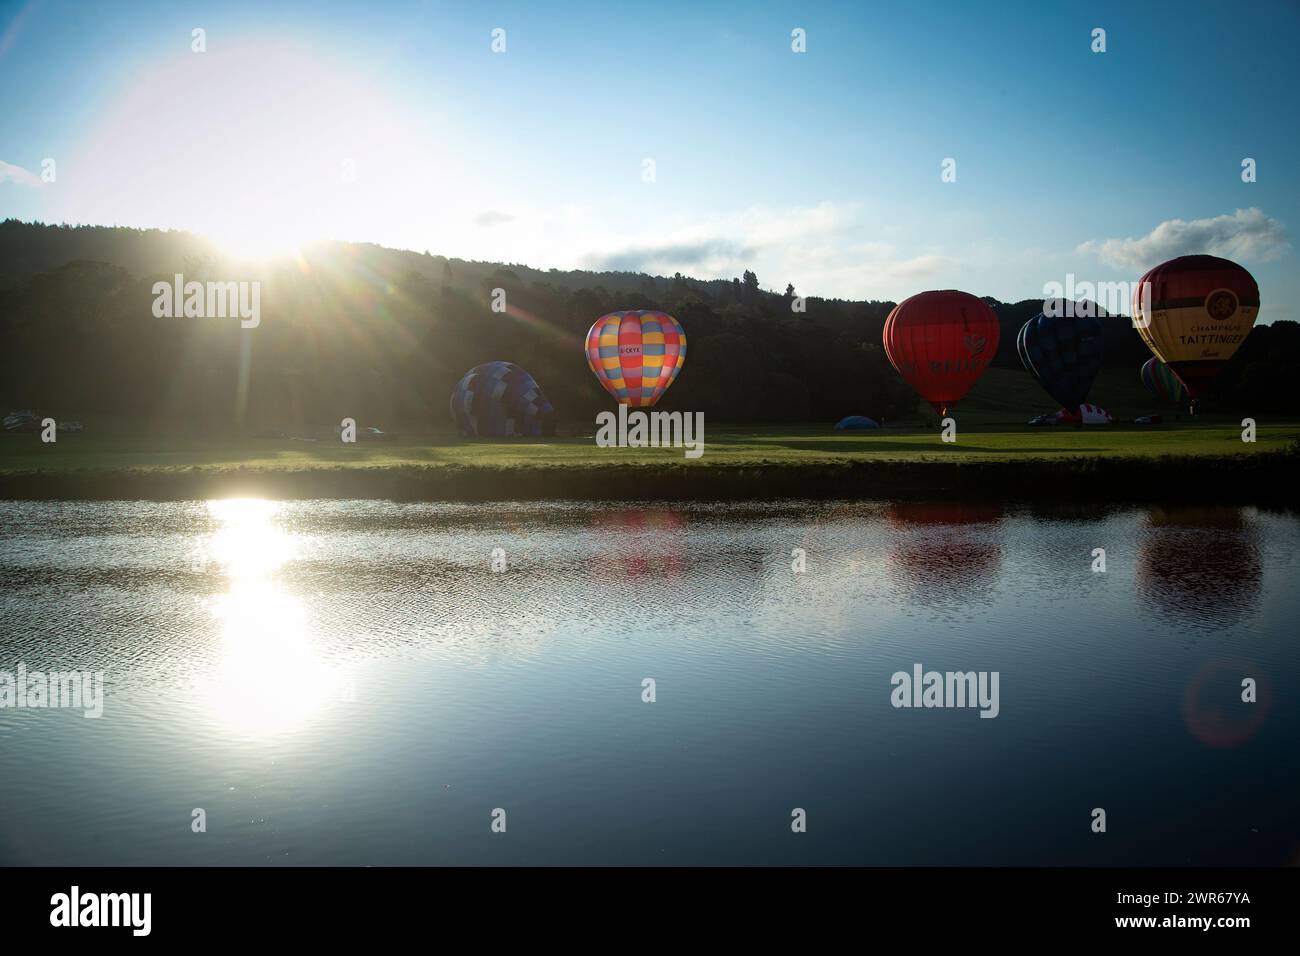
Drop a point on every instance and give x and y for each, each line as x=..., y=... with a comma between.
x=945, y=547
x=267, y=680
x=1199, y=565
x=641, y=541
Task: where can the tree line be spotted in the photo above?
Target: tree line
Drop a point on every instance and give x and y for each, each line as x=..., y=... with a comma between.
x=382, y=336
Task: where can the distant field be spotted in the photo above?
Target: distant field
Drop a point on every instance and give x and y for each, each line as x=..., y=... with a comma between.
x=1011, y=395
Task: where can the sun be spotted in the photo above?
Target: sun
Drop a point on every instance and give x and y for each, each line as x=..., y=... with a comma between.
x=260, y=243
x=279, y=146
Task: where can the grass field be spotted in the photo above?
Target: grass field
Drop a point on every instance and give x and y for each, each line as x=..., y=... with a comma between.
x=995, y=452
x=734, y=445
x=991, y=427
x=1117, y=462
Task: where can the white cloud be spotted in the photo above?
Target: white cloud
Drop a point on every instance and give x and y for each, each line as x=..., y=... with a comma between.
x=722, y=246
x=1247, y=234
x=821, y=249
x=864, y=270
x=492, y=217
x=23, y=177
x=693, y=256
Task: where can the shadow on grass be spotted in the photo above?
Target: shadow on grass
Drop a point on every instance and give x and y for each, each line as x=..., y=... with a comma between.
x=378, y=453
x=914, y=448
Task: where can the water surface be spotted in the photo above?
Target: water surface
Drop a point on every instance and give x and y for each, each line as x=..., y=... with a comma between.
x=352, y=682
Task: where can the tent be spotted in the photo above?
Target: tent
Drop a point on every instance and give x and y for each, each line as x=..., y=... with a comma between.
x=856, y=422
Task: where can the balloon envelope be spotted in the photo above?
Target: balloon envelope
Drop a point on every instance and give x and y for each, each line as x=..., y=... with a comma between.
x=1085, y=414
x=1193, y=312
x=1063, y=351
x=941, y=343
x=636, y=354
x=500, y=399
x=1161, y=382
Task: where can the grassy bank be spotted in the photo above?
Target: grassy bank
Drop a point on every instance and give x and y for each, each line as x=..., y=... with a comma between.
x=1119, y=462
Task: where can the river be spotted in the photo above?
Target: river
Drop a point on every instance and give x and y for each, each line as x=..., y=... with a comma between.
x=362, y=682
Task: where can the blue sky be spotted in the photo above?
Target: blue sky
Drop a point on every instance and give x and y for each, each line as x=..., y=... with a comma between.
x=396, y=123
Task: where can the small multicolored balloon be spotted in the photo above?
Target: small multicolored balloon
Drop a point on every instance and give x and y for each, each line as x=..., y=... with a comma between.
x=1161, y=382
x=636, y=354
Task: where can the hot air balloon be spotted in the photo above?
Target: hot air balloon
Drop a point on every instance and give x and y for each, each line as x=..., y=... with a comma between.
x=498, y=400
x=1063, y=351
x=1193, y=312
x=1084, y=414
x=941, y=343
x=636, y=354
x=1161, y=382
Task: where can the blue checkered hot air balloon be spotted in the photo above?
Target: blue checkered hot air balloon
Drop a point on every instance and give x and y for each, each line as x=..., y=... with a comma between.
x=1063, y=351
x=498, y=400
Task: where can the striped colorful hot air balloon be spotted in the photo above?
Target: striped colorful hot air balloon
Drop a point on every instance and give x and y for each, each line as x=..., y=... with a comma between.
x=941, y=343
x=636, y=354
x=1161, y=382
x=1193, y=312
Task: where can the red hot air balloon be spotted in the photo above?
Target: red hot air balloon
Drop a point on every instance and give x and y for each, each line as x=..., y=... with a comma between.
x=941, y=343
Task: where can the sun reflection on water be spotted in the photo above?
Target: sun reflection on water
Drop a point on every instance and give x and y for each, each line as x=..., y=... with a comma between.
x=268, y=679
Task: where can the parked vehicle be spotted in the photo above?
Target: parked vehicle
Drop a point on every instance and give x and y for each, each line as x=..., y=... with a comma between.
x=24, y=421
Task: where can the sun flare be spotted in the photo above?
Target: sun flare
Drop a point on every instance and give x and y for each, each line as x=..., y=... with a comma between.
x=268, y=680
